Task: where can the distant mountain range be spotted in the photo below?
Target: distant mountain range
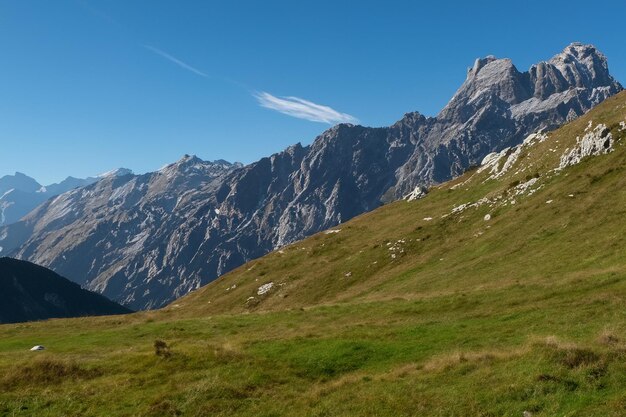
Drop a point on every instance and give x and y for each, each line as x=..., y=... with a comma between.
x=20, y=194
x=145, y=240
x=30, y=292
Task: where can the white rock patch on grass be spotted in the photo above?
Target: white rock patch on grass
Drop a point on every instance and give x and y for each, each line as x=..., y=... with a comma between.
x=417, y=193
x=494, y=160
x=265, y=288
x=598, y=141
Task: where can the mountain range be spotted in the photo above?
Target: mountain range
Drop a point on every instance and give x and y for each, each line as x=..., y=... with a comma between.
x=20, y=194
x=144, y=240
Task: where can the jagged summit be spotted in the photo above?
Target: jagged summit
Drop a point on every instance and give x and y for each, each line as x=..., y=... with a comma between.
x=193, y=165
x=119, y=172
x=578, y=66
x=18, y=181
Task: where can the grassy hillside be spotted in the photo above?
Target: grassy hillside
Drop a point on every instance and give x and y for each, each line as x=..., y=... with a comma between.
x=499, y=293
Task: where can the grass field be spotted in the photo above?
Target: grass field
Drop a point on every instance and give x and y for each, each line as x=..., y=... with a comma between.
x=415, y=309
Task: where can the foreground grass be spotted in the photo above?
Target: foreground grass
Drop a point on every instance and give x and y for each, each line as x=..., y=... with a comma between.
x=410, y=310
x=497, y=352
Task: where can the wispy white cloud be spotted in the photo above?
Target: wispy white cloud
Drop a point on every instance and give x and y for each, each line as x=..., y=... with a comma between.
x=175, y=60
x=303, y=109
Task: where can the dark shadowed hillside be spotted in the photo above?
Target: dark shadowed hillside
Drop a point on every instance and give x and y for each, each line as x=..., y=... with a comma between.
x=31, y=292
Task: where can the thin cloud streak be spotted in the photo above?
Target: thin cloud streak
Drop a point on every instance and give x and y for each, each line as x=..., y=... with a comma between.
x=175, y=60
x=303, y=109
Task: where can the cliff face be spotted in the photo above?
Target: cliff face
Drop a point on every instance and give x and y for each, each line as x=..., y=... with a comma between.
x=145, y=240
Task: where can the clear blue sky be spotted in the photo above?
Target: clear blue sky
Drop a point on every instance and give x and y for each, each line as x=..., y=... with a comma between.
x=87, y=85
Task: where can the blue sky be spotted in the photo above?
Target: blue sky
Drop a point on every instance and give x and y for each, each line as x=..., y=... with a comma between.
x=87, y=86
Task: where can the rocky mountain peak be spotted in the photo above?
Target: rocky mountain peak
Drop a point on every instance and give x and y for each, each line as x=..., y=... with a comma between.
x=479, y=64
x=191, y=163
x=490, y=80
x=577, y=66
x=18, y=181
x=189, y=159
x=410, y=119
x=118, y=172
x=188, y=164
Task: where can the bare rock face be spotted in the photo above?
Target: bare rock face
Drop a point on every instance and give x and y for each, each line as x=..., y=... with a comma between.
x=145, y=240
x=20, y=194
x=596, y=141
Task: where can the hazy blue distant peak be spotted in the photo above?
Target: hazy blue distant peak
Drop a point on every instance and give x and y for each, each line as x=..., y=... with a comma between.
x=18, y=181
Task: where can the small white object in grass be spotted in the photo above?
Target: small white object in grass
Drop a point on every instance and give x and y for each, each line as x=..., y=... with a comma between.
x=263, y=289
x=427, y=219
x=570, y=195
x=348, y=274
x=37, y=347
x=487, y=217
x=393, y=256
x=250, y=298
x=328, y=232
x=549, y=202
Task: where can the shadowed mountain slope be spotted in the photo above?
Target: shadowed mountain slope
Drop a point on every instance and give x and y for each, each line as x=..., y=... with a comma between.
x=30, y=292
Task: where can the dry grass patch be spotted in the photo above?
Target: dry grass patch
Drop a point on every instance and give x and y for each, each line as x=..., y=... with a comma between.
x=46, y=371
x=447, y=362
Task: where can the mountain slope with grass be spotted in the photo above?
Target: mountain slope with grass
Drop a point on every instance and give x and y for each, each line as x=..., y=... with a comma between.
x=523, y=217
x=500, y=293
x=30, y=292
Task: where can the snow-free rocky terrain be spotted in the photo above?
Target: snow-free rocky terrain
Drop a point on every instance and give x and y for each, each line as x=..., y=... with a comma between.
x=20, y=194
x=145, y=240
